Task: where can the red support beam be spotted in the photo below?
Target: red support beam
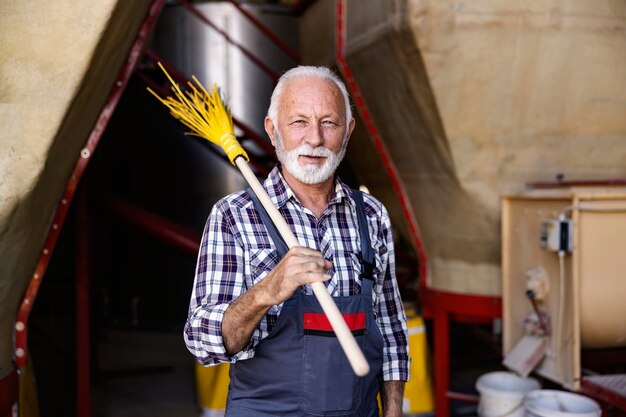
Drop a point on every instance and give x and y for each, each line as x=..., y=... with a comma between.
x=441, y=347
x=83, y=311
x=608, y=389
x=461, y=306
x=166, y=231
x=368, y=120
x=442, y=307
x=8, y=392
x=466, y=398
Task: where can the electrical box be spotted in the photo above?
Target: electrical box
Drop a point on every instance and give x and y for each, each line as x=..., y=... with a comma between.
x=568, y=246
x=556, y=235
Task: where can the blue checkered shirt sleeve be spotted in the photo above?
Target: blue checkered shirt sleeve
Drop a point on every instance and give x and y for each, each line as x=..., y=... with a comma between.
x=219, y=281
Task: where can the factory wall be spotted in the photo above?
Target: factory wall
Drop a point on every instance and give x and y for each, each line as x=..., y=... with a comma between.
x=475, y=100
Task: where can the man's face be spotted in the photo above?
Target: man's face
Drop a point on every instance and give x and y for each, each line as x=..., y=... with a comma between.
x=311, y=133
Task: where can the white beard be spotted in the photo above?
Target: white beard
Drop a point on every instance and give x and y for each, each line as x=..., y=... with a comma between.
x=309, y=173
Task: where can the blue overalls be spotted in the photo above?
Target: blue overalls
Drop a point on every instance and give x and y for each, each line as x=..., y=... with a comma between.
x=299, y=369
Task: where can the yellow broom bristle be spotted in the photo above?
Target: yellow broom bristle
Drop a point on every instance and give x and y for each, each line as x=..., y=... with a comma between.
x=204, y=113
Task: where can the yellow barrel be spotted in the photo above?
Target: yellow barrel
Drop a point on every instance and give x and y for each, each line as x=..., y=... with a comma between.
x=212, y=388
x=418, y=392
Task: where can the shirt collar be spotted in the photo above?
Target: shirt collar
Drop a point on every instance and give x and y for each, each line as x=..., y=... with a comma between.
x=279, y=191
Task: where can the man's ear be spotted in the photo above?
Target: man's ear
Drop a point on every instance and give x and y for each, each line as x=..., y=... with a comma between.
x=269, y=129
x=351, y=128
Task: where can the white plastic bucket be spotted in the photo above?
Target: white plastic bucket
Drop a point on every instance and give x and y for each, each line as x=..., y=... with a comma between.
x=502, y=394
x=552, y=403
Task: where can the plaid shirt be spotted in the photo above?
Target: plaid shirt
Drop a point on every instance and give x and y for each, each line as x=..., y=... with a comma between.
x=236, y=252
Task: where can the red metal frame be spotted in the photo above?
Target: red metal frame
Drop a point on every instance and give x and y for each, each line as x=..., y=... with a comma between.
x=83, y=334
x=462, y=307
x=155, y=226
x=150, y=223
x=368, y=120
x=8, y=392
x=169, y=232
x=466, y=398
x=440, y=306
x=175, y=235
x=60, y=214
x=592, y=388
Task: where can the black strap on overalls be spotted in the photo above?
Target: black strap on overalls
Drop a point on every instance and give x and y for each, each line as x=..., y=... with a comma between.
x=367, y=252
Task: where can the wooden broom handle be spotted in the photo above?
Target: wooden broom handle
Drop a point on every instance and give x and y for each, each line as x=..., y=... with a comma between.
x=344, y=335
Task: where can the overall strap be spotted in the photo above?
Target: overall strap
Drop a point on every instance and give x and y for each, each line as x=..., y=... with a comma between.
x=278, y=240
x=367, y=252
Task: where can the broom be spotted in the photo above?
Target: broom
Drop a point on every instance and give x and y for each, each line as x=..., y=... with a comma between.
x=205, y=114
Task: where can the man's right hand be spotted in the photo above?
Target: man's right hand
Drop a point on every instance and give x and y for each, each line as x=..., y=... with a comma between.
x=298, y=267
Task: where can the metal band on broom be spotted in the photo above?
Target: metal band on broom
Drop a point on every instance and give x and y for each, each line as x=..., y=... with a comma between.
x=206, y=115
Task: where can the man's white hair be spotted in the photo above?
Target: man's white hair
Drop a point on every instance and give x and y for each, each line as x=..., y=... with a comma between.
x=303, y=71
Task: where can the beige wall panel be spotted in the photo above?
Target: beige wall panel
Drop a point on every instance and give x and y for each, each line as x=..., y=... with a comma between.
x=318, y=26
x=42, y=61
x=58, y=60
x=527, y=90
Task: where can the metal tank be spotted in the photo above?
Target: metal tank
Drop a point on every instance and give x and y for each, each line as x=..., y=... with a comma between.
x=196, y=47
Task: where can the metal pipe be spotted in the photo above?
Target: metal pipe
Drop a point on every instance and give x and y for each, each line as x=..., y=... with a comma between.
x=466, y=398
x=616, y=182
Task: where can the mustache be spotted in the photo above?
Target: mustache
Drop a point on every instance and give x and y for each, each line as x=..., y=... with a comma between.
x=308, y=150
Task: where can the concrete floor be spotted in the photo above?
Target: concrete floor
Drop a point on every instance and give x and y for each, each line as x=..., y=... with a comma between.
x=144, y=374
x=151, y=374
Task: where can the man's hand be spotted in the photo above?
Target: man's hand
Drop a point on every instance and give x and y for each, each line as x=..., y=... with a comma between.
x=298, y=267
x=392, y=393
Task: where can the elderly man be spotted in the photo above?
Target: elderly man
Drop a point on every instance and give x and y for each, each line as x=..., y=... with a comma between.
x=252, y=305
